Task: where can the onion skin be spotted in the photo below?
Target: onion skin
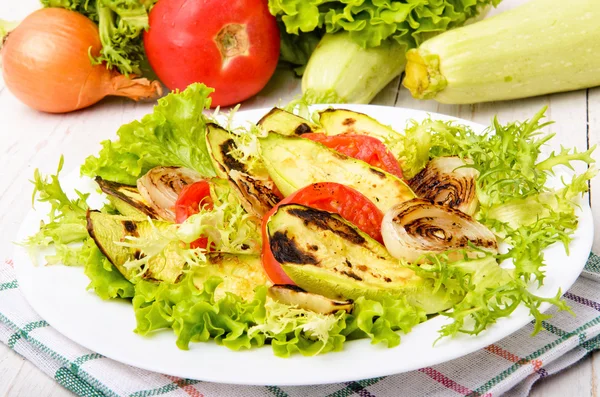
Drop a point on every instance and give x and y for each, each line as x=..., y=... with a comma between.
x=160, y=188
x=445, y=183
x=46, y=64
x=419, y=227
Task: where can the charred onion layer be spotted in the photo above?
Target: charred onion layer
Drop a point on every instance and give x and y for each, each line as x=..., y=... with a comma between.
x=419, y=227
x=446, y=181
x=161, y=186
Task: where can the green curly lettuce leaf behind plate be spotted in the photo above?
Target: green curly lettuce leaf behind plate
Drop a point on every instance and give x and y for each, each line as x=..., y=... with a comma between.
x=370, y=22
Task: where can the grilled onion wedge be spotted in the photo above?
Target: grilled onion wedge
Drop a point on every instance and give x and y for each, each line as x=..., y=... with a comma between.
x=295, y=296
x=419, y=227
x=161, y=186
x=447, y=181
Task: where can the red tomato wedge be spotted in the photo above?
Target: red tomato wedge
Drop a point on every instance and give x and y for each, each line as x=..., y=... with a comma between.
x=188, y=203
x=327, y=196
x=362, y=147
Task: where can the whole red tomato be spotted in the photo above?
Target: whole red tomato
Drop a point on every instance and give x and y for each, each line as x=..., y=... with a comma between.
x=232, y=46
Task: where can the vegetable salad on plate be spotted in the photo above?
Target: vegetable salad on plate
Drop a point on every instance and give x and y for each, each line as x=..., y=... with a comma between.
x=304, y=231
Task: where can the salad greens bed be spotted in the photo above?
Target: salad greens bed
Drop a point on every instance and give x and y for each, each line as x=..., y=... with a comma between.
x=514, y=202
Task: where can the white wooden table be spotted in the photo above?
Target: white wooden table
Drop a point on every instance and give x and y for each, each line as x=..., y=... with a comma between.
x=30, y=140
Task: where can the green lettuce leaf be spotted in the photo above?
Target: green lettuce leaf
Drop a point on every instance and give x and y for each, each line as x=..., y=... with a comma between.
x=380, y=320
x=173, y=135
x=121, y=24
x=196, y=315
x=370, y=22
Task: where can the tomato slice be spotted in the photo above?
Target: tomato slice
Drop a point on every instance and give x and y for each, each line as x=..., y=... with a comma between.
x=188, y=203
x=362, y=147
x=327, y=196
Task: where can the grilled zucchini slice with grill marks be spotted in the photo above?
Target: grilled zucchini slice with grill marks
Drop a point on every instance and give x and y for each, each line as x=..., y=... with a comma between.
x=254, y=189
x=325, y=254
x=294, y=163
x=107, y=230
x=286, y=123
x=127, y=200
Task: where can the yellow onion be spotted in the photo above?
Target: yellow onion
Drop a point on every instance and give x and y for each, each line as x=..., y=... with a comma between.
x=46, y=64
x=418, y=227
x=161, y=186
x=444, y=182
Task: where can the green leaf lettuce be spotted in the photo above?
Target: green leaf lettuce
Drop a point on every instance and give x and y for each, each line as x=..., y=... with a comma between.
x=172, y=135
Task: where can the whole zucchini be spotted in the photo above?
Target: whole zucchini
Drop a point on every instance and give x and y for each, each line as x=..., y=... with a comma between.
x=542, y=47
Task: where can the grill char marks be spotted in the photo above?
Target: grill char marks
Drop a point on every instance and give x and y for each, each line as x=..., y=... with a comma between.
x=286, y=250
x=302, y=129
x=430, y=229
x=444, y=182
x=130, y=227
x=377, y=172
x=260, y=196
x=230, y=162
x=326, y=221
x=349, y=121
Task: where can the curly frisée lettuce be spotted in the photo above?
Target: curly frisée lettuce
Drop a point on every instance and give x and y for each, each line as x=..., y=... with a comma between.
x=172, y=135
x=66, y=231
x=490, y=292
x=515, y=200
x=228, y=227
x=66, y=218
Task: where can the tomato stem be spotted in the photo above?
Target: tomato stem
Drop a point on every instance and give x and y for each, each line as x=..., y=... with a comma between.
x=232, y=41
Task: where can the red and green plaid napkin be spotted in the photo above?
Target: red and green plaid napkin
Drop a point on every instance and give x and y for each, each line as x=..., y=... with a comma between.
x=510, y=366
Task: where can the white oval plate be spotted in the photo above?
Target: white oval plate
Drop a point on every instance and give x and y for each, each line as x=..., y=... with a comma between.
x=58, y=294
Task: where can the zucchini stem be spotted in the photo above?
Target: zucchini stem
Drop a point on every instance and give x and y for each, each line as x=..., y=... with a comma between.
x=423, y=76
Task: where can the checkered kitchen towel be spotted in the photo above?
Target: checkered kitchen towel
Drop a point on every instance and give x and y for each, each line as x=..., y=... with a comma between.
x=509, y=367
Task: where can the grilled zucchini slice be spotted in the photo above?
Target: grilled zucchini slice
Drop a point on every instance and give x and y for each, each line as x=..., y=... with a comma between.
x=127, y=200
x=325, y=254
x=285, y=123
x=342, y=121
x=107, y=230
x=294, y=163
x=255, y=191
